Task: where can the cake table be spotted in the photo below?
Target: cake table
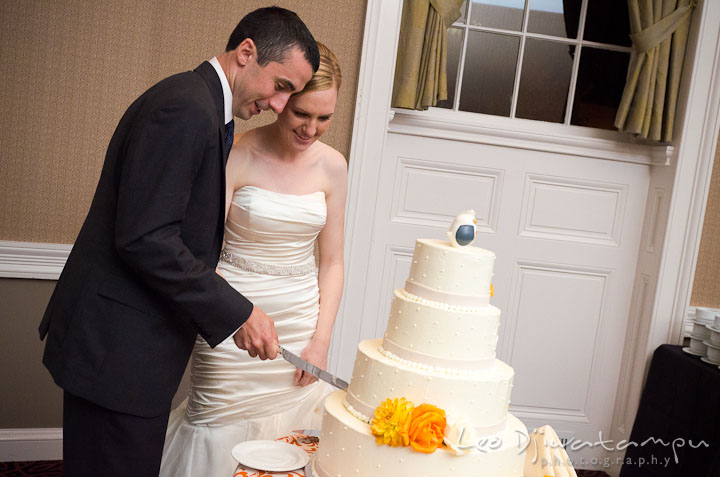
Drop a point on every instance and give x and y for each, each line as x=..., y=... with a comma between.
x=308, y=441
x=303, y=439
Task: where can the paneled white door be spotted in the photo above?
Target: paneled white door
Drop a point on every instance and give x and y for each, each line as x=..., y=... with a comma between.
x=566, y=231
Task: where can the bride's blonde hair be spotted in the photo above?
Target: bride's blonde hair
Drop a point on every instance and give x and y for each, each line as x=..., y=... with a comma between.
x=328, y=73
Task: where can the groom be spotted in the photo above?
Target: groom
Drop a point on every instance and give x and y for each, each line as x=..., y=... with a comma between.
x=140, y=282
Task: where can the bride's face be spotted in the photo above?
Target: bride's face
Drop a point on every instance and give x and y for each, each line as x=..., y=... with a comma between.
x=307, y=116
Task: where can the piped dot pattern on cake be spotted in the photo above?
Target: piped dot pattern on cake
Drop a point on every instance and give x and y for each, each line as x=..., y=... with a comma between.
x=438, y=349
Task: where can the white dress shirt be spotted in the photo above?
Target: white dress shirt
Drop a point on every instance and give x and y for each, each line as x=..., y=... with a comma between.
x=227, y=92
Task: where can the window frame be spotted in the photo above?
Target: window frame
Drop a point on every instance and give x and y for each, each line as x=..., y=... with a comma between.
x=523, y=35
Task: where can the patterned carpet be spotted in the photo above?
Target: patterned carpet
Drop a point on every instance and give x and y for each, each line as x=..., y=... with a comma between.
x=47, y=468
x=53, y=468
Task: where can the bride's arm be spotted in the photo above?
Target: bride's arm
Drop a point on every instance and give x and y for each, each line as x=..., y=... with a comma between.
x=331, y=269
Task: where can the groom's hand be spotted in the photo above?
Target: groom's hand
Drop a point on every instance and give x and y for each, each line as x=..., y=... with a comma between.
x=258, y=336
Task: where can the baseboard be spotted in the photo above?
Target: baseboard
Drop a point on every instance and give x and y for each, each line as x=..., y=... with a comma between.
x=43, y=261
x=30, y=444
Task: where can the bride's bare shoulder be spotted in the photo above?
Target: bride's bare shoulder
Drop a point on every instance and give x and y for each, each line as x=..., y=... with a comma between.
x=243, y=149
x=244, y=140
x=331, y=159
x=334, y=169
x=239, y=162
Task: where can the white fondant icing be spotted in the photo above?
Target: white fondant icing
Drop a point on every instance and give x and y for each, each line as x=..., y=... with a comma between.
x=461, y=335
x=356, y=413
x=503, y=460
x=490, y=389
x=439, y=349
x=445, y=297
x=438, y=304
x=460, y=265
x=422, y=361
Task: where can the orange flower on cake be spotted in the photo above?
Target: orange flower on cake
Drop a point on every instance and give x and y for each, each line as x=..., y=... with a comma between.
x=427, y=428
x=391, y=423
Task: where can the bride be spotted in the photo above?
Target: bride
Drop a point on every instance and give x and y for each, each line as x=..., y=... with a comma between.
x=285, y=189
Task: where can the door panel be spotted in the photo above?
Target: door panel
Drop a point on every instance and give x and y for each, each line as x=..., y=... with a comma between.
x=566, y=233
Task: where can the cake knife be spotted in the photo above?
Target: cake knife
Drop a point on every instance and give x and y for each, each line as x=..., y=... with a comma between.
x=310, y=368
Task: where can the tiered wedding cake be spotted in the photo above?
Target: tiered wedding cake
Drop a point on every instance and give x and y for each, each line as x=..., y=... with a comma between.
x=431, y=389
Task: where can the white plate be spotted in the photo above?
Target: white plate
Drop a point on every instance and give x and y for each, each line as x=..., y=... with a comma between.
x=712, y=328
x=705, y=360
x=694, y=353
x=711, y=345
x=273, y=456
x=703, y=322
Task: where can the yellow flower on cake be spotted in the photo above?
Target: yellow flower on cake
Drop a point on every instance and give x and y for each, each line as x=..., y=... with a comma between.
x=427, y=428
x=391, y=423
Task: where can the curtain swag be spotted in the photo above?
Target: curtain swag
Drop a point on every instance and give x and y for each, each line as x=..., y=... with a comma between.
x=659, y=31
x=420, y=70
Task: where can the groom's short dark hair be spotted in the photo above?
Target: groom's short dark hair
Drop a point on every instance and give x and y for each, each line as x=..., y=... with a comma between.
x=275, y=30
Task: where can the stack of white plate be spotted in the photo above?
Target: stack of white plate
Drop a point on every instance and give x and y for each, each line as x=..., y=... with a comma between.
x=713, y=343
x=705, y=336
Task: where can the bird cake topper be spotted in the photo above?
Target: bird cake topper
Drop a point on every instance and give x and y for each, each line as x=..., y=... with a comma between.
x=463, y=229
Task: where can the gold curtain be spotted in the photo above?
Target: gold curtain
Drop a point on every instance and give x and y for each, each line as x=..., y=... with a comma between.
x=420, y=71
x=659, y=31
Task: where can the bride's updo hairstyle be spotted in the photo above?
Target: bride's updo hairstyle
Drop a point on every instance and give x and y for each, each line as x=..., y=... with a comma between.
x=328, y=73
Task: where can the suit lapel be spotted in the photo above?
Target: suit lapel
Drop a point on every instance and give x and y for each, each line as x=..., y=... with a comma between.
x=210, y=76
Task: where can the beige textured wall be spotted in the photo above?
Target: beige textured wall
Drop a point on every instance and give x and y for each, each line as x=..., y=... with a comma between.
x=27, y=392
x=70, y=68
x=706, y=286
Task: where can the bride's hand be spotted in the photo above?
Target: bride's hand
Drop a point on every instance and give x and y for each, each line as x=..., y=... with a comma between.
x=313, y=353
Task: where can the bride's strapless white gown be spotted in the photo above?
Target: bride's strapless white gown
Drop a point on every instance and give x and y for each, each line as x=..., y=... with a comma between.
x=268, y=257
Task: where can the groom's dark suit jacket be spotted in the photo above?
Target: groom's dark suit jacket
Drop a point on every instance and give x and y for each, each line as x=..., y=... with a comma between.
x=140, y=282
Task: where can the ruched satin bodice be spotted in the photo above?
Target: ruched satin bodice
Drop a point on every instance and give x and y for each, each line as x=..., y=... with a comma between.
x=268, y=257
x=273, y=227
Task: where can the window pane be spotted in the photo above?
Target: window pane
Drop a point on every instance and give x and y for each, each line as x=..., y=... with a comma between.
x=554, y=17
x=463, y=12
x=455, y=37
x=489, y=73
x=507, y=14
x=600, y=84
x=544, y=80
x=607, y=22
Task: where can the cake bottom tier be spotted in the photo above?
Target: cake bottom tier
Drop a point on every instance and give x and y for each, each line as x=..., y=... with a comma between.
x=347, y=448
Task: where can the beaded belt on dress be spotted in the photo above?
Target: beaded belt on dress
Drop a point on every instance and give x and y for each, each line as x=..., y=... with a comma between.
x=267, y=268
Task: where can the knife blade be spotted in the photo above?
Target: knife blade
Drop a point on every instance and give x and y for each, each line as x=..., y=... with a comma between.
x=310, y=368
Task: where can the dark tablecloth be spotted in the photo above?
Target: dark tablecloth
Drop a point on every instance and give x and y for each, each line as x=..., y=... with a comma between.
x=680, y=404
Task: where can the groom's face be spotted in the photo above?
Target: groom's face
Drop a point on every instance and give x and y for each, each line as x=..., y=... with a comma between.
x=269, y=87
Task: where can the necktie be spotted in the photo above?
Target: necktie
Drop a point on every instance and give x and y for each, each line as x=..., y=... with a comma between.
x=229, y=133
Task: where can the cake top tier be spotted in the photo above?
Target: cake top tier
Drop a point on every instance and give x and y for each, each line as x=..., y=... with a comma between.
x=449, y=274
